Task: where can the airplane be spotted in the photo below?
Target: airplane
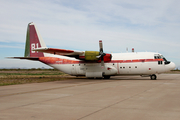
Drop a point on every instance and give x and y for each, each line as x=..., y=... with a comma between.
x=94, y=64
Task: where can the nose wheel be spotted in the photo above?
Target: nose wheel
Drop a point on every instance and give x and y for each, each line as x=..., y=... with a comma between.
x=153, y=77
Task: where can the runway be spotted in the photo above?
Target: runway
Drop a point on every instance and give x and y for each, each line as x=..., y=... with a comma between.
x=122, y=97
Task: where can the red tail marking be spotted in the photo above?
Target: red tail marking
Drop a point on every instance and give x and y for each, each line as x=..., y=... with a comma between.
x=34, y=42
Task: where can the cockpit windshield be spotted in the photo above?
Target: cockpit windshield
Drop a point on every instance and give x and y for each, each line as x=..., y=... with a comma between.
x=158, y=56
x=163, y=58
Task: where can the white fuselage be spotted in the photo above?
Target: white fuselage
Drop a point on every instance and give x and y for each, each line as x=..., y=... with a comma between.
x=140, y=63
x=93, y=63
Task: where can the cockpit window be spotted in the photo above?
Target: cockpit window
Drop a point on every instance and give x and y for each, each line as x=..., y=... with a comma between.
x=157, y=56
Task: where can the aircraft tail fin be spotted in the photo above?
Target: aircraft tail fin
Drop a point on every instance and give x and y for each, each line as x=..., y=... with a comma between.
x=33, y=41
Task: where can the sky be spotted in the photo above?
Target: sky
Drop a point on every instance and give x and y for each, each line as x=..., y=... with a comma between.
x=144, y=25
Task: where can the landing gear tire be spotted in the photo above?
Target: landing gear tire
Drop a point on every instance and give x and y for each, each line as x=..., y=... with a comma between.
x=107, y=77
x=153, y=77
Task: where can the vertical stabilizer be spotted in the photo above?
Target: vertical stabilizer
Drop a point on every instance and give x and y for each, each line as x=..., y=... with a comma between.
x=33, y=41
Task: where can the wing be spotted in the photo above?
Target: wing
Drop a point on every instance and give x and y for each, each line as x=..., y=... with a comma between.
x=82, y=55
x=56, y=51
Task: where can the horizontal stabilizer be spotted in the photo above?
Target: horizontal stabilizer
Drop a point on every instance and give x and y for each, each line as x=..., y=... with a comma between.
x=27, y=58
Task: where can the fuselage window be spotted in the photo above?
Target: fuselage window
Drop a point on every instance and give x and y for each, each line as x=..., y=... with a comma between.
x=135, y=66
x=123, y=67
x=129, y=66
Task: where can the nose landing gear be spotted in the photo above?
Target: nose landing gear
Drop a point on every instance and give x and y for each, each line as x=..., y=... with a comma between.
x=153, y=77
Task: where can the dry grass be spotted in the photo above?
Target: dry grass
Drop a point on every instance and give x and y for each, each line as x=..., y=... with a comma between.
x=19, y=76
x=22, y=76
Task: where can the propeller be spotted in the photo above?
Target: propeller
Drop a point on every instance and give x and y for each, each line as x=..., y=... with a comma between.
x=101, y=53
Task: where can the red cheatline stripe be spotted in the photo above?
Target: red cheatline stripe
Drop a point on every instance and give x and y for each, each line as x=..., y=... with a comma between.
x=53, y=60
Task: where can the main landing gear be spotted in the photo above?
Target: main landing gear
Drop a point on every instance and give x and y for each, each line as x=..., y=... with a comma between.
x=153, y=77
x=107, y=77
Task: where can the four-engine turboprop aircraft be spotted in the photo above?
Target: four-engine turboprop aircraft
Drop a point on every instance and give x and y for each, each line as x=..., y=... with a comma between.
x=94, y=64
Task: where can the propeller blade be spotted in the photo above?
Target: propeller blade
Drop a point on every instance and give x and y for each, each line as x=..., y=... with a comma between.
x=101, y=52
x=101, y=47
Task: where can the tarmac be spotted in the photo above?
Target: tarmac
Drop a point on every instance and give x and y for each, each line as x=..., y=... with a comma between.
x=121, y=97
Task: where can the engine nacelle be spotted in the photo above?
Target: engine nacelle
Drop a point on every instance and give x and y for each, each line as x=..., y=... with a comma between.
x=95, y=56
x=91, y=55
